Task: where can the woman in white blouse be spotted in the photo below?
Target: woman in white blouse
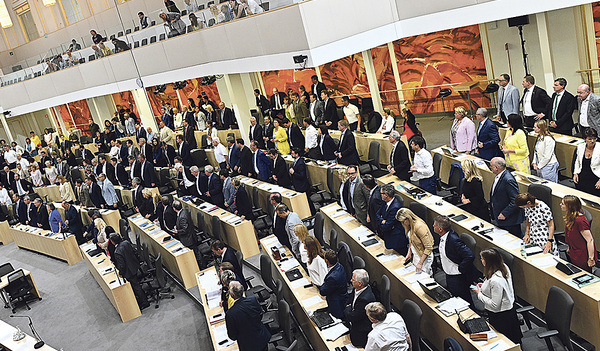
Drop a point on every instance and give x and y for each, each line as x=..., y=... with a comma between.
x=387, y=122
x=200, y=118
x=302, y=233
x=498, y=295
x=48, y=137
x=102, y=237
x=544, y=159
x=4, y=196
x=51, y=172
x=343, y=175
x=211, y=132
x=66, y=192
x=178, y=118
x=316, y=266
x=36, y=176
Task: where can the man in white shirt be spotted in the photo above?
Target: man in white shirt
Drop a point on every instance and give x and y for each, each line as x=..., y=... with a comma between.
x=190, y=7
x=221, y=153
x=351, y=113
x=422, y=168
x=311, y=146
x=10, y=156
x=114, y=149
x=589, y=108
x=536, y=102
x=252, y=7
x=389, y=330
x=23, y=161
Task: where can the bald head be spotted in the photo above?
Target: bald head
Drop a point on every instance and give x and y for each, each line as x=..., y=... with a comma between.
x=583, y=91
x=497, y=165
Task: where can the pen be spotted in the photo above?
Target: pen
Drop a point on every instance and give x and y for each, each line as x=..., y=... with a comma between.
x=491, y=348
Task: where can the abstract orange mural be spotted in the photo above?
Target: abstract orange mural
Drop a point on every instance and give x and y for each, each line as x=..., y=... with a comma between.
x=194, y=88
x=126, y=100
x=158, y=100
x=66, y=116
x=80, y=111
x=450, y=56
x=287, y=79
x=596, y=14
x=346, y=76
x=385, y=77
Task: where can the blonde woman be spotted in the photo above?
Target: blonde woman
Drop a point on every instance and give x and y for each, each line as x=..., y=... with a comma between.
x=343, y=176
x=472, y=191
x=66, y=192
x=420, y=238
x=462, y=133
x=544, y=159
x=302, y=233
x=102, y=237
x=178, y=118
x=515, y=146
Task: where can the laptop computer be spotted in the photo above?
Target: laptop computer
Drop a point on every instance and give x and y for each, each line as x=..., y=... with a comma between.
x=322, y=318
x=472, y=325
x=435, y=291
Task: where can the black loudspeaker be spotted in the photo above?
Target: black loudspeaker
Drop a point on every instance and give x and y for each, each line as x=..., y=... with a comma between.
x=518, y=21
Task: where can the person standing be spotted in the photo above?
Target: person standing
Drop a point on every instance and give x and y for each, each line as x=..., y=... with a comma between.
x=536, y=102
x=515, y=148
x=422, y=168
x=544, y=159
x=311, y=145
x=502, y=198
x=488, y=137
x=128, y=265
x=346, y=153
x=298, y=174
x=420, y=240
x=359, y=195
x=243, y=321
x=589, y=108
x=563, y=105
x=355, y=313
x=351, y=113
x=462, y=132
x=391, y=230
x=472, y=191
x=582, y=250
x=586, y=170
x=508, y=98
x=539, y=228
x=334, y=285
x=399, y=159
x=291, y=219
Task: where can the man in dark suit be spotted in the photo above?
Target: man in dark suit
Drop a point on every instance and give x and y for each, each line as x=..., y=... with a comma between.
x=187, y=180
x=334, y=285
x=536, y=102
x=167, y=155
x=399, y=159
x=243, y=321
x=215, y=187
x=167, y=218
x=279, y=222
x=7, y=177
x=227, y=254
x=120, y=174
x=201, y=183
x=277, y=103
x=20, y=208
x=457, y=259
x=183, y=149
x=262, y=102
x=245, y=166
x=85, y=153
x=184, y=229
x=62, y=168
x=128, y=265
x=279, y=169
x=31, y=212
x=107, y=168
x=390, y=228
x=95, y=192
x=346, y=153
x=256, y=133
x=241, y=201
x=502, y=198
x=487, y=136
x=268, y=133
x=316, y=109
x=189, y=136
x=135, y=167
x=563, y=105
x=147, y=172
x=123, y=153
x=73, y=221
x=136, y=191
x=233, y=159
x=330, y=116
x=41, y=214
x=316, y=86
x=373, y=121
x=355, y=313
x=226, y=118
x=145, y=148
x=261, y=166
x=295, y=136
x=298, y=173
x=375, y=201
x=140, y=133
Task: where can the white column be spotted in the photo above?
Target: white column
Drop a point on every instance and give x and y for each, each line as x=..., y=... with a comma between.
x=546, y=51
x=241, y=94
x=143, y=105
x=396, y=72
x=372, y=79
x=5, y=126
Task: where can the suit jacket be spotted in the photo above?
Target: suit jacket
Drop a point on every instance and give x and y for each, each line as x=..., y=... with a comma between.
x=226, y=118
x=84, y=196
x=280, y=170
x=190, y=137
x=263, y=163
x=215, y=189
x=21, y=211
x=316, y=111
x=272, y=101
x=593, y=115
x=317, y=91
x=564, y=113
x=121, y=175
x=348, y=149
x=508, y=100
x=300, y=177
x=392, y=230
x=243, y=321
x=126, y=261
x=229, y=256
x=74, y=218
x=86, y=154
x=7, y=179
x=27, y=186
x=168, y=152
x=147, y=208
x=32, y=213
x=375, y=203
x=243, y=204
x=63, y=169
x=295, y=137
x=263, y=104
x=148, y=175
x=110, y=172
x=361, y=201
x=268, y=132
x=42, y=217
x=246, y=166
x=183, y=150
x=141, y=133
x=488, y=135
x=185, y=228
x=328, y=148
x=257, y=135
x=458, y=252
x=137, y=196
x=96, y=195
x=234, y=156
x=123, y=154
x=300, y=110
x=335, y=291
x=502, y=198
x=146, y=150
x=360, y=325
x=400, y=161
x=330, y=113
x=540, y=101
x=167, y=218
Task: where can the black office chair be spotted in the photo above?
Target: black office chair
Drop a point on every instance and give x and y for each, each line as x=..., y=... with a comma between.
x=217, y=234
x=372, y=165
x=128, y=31
x=358, y=263
x=199, y=158
x=469, y=241
x=285, y=336
x=144, y=41
x=412, y=314
x=384, y=292
x=323, y=197
x=542, y=193
x=119, y=34
x=333, y=239
x=161, y=290
x=136, y=44
x=183, y=13
x=450, y=344
x=211, y=22
x=4, y=270
x=204, y=141
x=269, y=317
x=190, y=28
x=261, y=292
x=18, y=289
x=319, y=226
x=596, y=271
x=112, y=36
x=346, y=259
x=136, y=28
x=153, y=39
x=556, y=336
x=263, y=222
x=152, y=23
x=400, y=199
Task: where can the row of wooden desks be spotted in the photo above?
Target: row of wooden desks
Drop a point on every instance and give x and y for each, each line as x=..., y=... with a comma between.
x=127, y=194
x=564, y=149
x=295, y=201
x=177, y=258
x=110, y=217
x=435, y=325
x=45, y=242
x=302, y=300
x=317, y=173
x=210, y=295
x=118, y=291
x=222, y=134
x=524, y=180
x=532, y=277
x=236, y=232
x=48, y=193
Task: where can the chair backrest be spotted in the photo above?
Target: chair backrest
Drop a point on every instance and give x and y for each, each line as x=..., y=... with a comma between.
x=200, y=220
x=136, y=28
x=384, y=292
x=421, y=211
x=201, y=7
x=283, y=315
x=136, y=44
x=588, y=216
x=120, y=34
x=345, y=258
x=596, y=271
x=239, y=256
x=231, y=135
x=559, y=309
x=374, y=148
x=162, y=37
x=400, y=199
x=92, y=58
x=16, y=282
x=216, y=228
x=318, y=229
x=330, y=185
x=266, y=271
x=278, y=289
x=456, y=177
x=190, y=28
x=128, y=31
x=265, y=6
x=542, y=193
x=469, y=241
x=112, y=36
x=204, y=141
x=507, y=257
x=199, y=157
x=211, y=22
x=161, y=276
x=255, y=198
x=5, y=269
x=146, y=255
x=358, y=263
x=333, y=237
x=183, y=12
x=437, y=163
x=450, y=344
x=292, y=345
x=412, y=314
x=153, y=23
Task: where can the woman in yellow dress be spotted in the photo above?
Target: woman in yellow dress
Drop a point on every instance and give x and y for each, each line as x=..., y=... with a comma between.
x=280, y=138
x=515, y=146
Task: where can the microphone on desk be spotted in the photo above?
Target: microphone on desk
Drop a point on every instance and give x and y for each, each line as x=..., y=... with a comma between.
x=39, y=340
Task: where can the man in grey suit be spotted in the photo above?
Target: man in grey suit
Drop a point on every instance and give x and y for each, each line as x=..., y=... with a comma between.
x=315, y=109
x=359, y=193
x=291, y=219
x=508, y=97
x=589, y=108
x=184, y=229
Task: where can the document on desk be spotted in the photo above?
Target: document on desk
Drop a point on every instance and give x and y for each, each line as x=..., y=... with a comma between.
x=346, y=220
x=513, y=244
x=299, y=283
x=406, y=270
x=387, y=258
x=544, y=262
x=271, y=242
x=329, y=209
x=312, y=301
x=417, y=276
x=88, y=246
x=499, y=345
x=213, y=298
x=221, y=338
x=289, y=264
x=450, y=306
x=334, y=332
x=339, y=214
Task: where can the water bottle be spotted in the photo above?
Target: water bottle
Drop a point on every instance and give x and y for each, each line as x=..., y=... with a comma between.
x=523, y=252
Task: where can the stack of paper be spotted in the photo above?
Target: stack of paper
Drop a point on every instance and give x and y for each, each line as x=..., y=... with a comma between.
x=312, y=301
x=271, y=242
x=334, y=332
x=450, y=306
x=299, y=283
x=417, y=276
x=406, y=270
x=346, y=220
x=288, y=264
x=221, y=338
x=213, y=298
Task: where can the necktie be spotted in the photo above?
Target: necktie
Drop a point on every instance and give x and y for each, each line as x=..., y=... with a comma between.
x=501, y=97
x=555, y=107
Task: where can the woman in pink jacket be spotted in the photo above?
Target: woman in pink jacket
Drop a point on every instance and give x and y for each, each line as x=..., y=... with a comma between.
x=462, y=134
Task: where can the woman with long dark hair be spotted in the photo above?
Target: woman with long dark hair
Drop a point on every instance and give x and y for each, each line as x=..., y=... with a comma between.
x=582, y=249
x=586, y=171
x=515, y=146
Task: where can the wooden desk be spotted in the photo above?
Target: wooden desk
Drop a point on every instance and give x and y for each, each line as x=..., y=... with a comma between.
x=295, y=201
x=180, y=260
x=240, y=236
x=53, y=245
x=34, y=290
x=362, y=145
x=531, y=280
x=558, y=190
x=27, y=343
x=110, y=217
x=212, y=160
x=132, y=138
x=295, y=297
x=222, y=134
x=127, y=194
x=5, y=233
x=317, y=173
x=208, y=281
x=118, y=291
x=564, y=149
x=91, y=146
x=50, y=191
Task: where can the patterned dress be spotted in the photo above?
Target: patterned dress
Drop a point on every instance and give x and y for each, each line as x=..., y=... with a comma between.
x=538, y=217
